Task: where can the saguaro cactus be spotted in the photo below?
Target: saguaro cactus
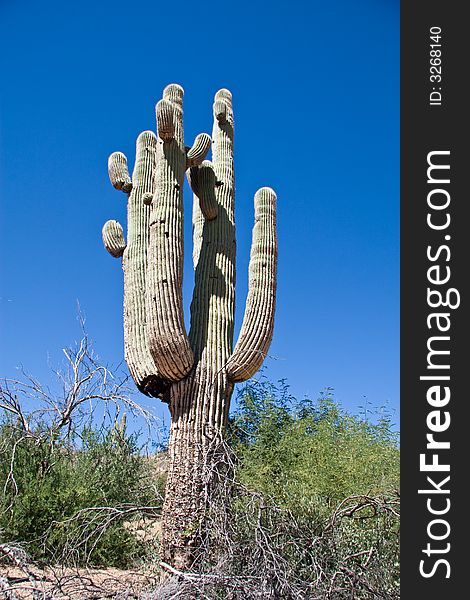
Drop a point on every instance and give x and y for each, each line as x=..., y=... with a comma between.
x=195, y=373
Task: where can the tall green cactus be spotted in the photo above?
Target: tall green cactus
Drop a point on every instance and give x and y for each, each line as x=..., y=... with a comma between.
x=195, y=373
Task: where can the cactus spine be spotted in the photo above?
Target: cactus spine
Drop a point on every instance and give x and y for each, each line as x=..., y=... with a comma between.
x=195, y=372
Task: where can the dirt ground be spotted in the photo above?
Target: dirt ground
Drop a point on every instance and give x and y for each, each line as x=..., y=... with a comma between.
x=73, y=584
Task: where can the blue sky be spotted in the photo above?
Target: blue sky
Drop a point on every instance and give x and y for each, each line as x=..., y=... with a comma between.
x=316, y=99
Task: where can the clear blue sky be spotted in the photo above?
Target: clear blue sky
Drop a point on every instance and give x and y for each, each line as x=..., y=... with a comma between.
x=316, y=98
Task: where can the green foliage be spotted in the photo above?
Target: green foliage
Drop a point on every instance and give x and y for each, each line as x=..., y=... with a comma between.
x=309, y=456
x=50, y=479
x=333, y=476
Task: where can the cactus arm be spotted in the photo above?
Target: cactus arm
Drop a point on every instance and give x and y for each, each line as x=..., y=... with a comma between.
x=197, y=153
x=134, y=257
x=203, y=183
x=198, y=229
x=201, y=179
x=167, y=339
x=212, y=307
x=165, y=114
x=222, y=154
x=258, y=323
x=119, y=173
x=113, y=238
x=223, y=307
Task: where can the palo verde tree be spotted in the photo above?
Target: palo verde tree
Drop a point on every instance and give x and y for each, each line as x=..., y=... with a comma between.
x=194, y=373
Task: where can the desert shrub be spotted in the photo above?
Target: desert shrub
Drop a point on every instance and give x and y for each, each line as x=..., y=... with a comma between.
x=316, y=503
x=309, y=456
x=55, y=489
x=74, y=481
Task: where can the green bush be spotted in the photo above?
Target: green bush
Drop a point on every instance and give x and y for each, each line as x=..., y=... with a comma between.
x=309, y=456
x=52, y=481
x=328, y=481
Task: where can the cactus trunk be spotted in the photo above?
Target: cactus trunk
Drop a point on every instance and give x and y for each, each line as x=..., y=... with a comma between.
x=196, y=372
x=199, y=416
